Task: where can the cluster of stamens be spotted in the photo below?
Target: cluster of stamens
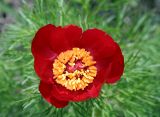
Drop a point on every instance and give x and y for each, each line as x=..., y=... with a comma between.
x=74, y=69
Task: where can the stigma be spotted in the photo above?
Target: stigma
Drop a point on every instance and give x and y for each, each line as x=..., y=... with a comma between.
x=74, y=69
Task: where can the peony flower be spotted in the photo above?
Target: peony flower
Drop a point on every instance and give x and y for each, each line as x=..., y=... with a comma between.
x=73, y=65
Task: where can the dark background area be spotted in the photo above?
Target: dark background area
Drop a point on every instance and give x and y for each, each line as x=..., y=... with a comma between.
x=9, y=7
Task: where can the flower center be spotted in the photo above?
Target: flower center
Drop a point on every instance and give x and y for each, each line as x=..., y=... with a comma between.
x=74, y=69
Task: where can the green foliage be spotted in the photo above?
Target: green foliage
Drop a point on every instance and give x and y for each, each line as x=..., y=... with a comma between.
x=137, y=94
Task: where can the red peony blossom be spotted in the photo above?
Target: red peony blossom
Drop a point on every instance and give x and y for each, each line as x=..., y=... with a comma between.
x=73, y=65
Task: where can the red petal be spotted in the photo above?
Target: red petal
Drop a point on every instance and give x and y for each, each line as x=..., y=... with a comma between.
x=49, y=41
x=105, y=51
x=65, y=38
x=73, y=34
x=58, y=41
x=46, y=89
x=43, y=68
x=40, y=44
x=99, y=44
x=116, y=67
x=62, y=93
x=58, y=103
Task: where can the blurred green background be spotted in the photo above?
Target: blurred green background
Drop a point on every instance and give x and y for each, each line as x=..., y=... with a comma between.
x=134, y=24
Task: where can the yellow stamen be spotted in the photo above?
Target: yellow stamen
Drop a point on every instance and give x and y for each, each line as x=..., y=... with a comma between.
x=70, y=75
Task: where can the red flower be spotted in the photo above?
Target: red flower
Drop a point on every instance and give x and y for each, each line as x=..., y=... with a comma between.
x=73, y=65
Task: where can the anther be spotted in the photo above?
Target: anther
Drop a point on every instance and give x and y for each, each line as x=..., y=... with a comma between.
x=74, y=69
